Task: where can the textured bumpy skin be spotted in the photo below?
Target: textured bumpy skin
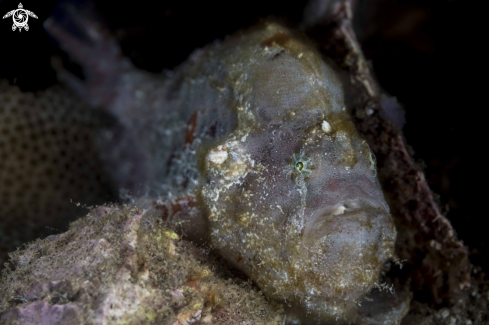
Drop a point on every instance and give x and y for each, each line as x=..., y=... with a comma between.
x=314, y=238
x=252, y=135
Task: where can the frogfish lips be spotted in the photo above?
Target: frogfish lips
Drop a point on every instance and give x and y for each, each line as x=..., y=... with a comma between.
x=350, y=221
x=357, y=235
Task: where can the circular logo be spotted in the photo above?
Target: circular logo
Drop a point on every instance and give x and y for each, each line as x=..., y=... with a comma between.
x=20, y=18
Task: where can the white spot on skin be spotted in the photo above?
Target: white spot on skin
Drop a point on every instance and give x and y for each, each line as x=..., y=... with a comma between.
x=326, y=127
x=218, y=156
x=280, y=208
x=341, y=209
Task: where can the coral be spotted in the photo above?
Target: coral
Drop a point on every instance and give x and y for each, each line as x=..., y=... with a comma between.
x=48, y=160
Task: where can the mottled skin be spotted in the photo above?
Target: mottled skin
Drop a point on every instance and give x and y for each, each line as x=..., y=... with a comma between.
x=316, y=242
x=221, y=138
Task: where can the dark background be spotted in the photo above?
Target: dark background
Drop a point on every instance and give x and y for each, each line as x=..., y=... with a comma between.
x=431, y=55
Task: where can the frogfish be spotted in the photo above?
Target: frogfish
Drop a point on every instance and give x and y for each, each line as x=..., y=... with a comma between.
x=248, y=147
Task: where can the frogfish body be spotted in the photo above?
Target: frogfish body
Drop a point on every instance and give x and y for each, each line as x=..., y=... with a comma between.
x=249, y=143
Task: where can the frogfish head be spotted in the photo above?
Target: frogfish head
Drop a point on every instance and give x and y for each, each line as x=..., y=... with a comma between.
x=295, y=203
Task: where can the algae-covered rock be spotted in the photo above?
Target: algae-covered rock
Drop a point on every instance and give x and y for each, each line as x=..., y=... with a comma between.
x=122, y=265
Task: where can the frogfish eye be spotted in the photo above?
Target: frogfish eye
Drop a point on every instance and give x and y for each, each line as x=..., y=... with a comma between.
x=299, y=166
